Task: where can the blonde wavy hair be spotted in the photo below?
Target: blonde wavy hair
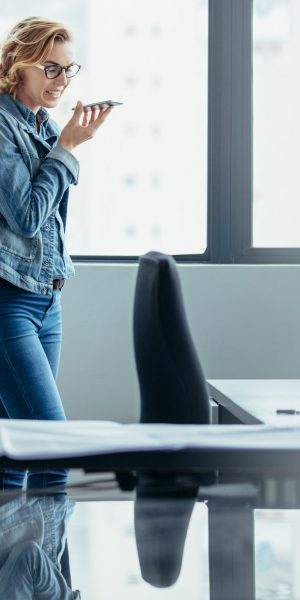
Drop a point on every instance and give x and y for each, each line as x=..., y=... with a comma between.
x=29, y=42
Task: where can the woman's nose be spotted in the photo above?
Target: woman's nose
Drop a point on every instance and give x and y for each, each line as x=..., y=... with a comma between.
x=62, y=78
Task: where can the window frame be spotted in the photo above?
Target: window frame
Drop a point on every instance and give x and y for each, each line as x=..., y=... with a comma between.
x=229, y=146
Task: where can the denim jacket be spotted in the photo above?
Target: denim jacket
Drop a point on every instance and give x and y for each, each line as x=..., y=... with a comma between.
x=42, y=520
x=35, y=176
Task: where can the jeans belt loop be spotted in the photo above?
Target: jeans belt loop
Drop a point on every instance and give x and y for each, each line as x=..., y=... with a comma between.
x=58, y=284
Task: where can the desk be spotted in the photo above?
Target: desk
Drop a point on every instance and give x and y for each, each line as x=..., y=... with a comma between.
x=165, y=492
x=104, y=446
x=255, y=401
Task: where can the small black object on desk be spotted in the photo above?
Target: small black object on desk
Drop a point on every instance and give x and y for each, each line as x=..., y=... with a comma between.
x=287, y=411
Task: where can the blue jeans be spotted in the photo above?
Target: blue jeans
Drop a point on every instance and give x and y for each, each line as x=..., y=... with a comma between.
x=30, y=344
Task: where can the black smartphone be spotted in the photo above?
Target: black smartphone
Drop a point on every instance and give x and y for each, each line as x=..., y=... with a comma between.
x=88, y=107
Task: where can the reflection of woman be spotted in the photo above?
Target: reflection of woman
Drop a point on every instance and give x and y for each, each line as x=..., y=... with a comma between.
x=32, y=542
x=36, y=169
x=28, y=573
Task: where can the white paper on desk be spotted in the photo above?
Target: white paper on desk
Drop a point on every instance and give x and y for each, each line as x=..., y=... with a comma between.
x=23, y=439
x=55, y=439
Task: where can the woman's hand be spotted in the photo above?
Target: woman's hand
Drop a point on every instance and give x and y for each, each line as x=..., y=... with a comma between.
x=75, y=133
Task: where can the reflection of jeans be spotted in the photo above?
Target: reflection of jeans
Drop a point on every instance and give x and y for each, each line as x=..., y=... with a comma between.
x=29, y=573
x=30, y=343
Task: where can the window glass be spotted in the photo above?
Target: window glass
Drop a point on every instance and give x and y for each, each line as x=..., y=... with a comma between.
x=143, y=178
x=276, y=123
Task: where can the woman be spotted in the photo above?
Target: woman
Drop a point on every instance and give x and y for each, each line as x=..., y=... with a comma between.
x=36, y=169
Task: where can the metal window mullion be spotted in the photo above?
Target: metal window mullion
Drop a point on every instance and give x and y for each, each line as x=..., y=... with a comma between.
x=230, y=129
x=219, y=129
x=241, y=124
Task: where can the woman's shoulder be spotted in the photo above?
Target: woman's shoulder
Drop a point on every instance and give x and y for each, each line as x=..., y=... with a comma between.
x=7, y=110
x=7, y=122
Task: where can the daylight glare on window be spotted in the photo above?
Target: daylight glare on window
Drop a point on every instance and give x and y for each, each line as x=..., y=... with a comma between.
x=142, y=182
x=276, y=123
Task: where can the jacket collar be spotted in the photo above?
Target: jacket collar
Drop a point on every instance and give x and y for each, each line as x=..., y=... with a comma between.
x=29, y=116
x=25, y=116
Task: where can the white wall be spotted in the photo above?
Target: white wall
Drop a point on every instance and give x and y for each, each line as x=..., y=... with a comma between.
x=245, y=321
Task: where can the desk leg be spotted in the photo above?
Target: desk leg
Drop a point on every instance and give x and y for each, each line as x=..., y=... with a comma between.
x=231, y=552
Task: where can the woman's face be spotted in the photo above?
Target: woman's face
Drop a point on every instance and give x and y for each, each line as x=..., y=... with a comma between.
x=35, y=89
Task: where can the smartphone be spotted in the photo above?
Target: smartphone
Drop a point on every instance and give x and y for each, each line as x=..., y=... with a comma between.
x=88, y=107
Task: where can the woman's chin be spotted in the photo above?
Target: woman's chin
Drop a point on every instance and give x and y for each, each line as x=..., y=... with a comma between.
x=50, y=102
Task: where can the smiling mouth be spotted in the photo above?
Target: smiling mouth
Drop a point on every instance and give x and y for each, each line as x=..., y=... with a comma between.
x=54, y=94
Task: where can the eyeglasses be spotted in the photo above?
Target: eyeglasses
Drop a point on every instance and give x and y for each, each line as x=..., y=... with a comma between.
x=53, y=71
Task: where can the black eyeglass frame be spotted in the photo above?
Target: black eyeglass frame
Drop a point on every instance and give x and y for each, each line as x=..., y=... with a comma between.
x=45, y=69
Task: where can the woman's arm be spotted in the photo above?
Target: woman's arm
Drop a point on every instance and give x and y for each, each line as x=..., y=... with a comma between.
x=26, y=203
x=28, y=573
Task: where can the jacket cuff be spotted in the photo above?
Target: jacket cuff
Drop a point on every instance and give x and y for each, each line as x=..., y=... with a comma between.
x=68, y=159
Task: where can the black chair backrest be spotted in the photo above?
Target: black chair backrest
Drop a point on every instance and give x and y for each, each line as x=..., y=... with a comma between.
x=173, y=388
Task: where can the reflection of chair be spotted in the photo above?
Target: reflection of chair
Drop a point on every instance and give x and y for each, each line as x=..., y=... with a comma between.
x=173, y=390
x=172, y=385
x=162, y=511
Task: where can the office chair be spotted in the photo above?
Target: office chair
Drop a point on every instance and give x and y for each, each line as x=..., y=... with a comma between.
x=172, y=390
x=172, y=384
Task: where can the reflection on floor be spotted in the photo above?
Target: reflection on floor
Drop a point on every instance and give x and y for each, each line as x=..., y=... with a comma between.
x=277, y=554
x=104, y=562
x=104, y=559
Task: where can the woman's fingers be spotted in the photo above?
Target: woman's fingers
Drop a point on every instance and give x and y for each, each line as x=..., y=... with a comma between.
x=85, y=120
x=78, y=111
x=90, y=116
x=94, y=117
x=94, y=112
x=82, y=127
x=94, y=121
x=103, y=114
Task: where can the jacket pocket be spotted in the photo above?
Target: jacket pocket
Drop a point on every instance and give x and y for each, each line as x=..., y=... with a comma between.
x=16, y=245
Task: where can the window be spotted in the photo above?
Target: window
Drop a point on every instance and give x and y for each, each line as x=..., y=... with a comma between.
x=143, y=178
x=252, y=132
x=201, y=160
x=276, y=123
